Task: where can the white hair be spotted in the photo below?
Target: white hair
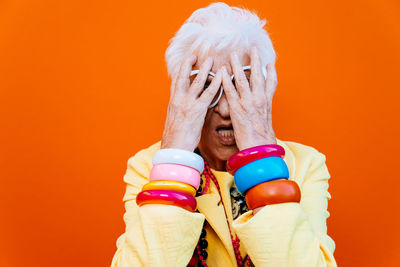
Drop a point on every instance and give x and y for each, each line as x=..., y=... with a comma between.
x=219, y=26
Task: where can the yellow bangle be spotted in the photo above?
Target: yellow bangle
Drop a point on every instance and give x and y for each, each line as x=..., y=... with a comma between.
x=170, y=185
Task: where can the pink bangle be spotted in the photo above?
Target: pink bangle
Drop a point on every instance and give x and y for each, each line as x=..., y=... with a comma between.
x=175, y=172
x=251, y=154
x=167, y=197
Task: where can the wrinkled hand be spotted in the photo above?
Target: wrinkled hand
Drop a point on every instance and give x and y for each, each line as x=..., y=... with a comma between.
x=250, y=104
x=188, y=105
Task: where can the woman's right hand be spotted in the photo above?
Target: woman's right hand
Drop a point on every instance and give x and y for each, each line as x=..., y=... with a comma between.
x=188, y=105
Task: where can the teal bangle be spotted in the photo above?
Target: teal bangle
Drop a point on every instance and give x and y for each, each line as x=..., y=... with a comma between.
x=260, y=171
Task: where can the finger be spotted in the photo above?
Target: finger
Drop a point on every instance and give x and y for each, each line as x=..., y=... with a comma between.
x=198, y=83
x=271, y=82
x=208, y=94
x=257, y=78
x=173, y=84
x=229, y=89
x=269, y=115
x=183, y=80
x=242, y=85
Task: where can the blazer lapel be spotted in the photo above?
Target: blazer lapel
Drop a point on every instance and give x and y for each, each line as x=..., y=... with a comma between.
x=211, y=207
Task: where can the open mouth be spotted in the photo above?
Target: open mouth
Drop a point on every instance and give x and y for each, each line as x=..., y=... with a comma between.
x=225, y=131
x=226, y=134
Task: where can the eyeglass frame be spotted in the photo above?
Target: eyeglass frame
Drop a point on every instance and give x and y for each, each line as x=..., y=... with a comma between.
x=221, y=88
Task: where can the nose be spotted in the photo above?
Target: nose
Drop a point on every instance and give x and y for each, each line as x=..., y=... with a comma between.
x=222, y=108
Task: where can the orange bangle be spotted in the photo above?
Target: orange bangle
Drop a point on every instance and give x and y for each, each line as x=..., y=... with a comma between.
x=273, y=192
x=170, y=185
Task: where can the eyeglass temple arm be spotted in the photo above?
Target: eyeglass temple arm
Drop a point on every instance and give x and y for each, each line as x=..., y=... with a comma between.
x=193, y=72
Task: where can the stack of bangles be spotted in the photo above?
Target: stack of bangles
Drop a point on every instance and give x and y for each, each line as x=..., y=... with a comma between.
x=174, y=179
x=262, y=175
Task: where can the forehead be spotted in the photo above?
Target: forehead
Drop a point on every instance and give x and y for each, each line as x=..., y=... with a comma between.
x=222, y=58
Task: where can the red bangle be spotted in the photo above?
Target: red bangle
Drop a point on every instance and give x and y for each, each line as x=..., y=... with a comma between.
x=273, y=192
x=168, y=197
x=250, y=154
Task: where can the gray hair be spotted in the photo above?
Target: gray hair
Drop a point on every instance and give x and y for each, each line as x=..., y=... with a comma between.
x=219, y=26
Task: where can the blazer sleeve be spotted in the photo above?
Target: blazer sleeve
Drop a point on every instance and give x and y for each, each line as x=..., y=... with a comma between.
x=155, y=234
x=292, y=234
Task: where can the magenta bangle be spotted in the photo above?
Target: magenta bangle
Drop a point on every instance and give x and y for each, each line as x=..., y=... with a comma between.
x=175, y=172
x=167, y=197
x=251, y=154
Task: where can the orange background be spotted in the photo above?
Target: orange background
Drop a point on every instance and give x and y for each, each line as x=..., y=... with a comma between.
x=84, y=87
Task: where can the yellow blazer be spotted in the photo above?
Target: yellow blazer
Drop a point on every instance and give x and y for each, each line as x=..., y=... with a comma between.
x=287, y=234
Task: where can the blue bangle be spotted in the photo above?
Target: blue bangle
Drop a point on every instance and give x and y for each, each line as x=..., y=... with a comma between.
x=260, y=171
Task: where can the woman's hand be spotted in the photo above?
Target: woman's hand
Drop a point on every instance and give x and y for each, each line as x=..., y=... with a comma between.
x=188, y=105
x=251, y=104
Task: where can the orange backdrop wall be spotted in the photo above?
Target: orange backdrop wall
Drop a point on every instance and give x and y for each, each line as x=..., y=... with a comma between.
x=84, y=86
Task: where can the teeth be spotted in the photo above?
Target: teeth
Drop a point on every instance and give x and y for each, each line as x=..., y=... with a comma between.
x=226, y=133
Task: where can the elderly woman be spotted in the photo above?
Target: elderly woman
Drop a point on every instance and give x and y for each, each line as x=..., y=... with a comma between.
x=220, y=189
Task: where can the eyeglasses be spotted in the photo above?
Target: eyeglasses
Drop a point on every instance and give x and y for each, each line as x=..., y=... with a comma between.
x=217, y=97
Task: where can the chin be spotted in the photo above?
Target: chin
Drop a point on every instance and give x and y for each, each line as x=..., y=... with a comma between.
x=224, y=152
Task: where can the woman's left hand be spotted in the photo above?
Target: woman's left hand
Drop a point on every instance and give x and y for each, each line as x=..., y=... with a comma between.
x=250, y=104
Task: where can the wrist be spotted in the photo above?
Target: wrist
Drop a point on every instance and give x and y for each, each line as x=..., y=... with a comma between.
x=257, y=141
x=262, y=175
x=174, y=179
x=180, y=145
x=246, y=156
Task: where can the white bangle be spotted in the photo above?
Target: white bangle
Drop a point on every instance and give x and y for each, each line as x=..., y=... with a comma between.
x=179, y=156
